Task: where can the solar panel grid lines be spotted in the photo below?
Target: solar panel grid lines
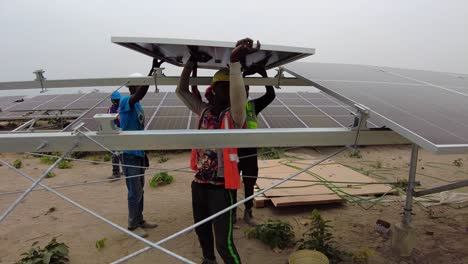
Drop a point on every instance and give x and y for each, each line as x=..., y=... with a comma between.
x=429, y=108
x=324, y=112
x=164, y=96
x=293, y=113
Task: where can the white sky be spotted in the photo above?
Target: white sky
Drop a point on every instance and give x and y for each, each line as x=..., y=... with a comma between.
x=71, y=39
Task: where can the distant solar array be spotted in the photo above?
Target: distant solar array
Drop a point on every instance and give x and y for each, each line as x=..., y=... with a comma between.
x=429, y=108
x=288, y=110
x=165, y=111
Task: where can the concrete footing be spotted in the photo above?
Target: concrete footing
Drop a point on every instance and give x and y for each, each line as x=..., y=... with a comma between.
x=403, y=239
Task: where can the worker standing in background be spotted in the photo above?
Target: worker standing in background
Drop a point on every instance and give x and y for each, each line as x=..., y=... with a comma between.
x=132, y=118
x=114, y=109
x=248, y=161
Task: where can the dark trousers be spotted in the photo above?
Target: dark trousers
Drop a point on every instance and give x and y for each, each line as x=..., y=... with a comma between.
x=116, y=164
x=207, y=200
x=249, y=167
x=135, y=189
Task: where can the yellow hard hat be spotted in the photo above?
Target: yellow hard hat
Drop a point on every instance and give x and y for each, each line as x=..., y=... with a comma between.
x=220, y=76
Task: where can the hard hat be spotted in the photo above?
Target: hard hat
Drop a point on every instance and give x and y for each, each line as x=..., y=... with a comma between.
x=115, y=95
x=136, y=74
x=220, y=76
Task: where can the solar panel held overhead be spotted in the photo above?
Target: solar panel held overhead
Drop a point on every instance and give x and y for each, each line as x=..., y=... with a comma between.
x=177, y=51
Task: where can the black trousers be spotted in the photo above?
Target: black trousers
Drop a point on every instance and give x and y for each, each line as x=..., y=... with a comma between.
x=116, y=164
x=249, y=167
x=207, y=200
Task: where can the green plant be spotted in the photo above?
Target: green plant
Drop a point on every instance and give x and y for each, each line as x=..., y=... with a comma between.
x=362, y=257
x=163, y=159
x=101, y=243
x=458, y=162
x=95, y=160
x=274, y=233
x=50, y=175
x=65, y=164
x=79, y=154
x=107, y=157
x=18, y=164
x=355, y=154
x=161, y=178
x=319, y=237
x=53, y=253
x=269, y=153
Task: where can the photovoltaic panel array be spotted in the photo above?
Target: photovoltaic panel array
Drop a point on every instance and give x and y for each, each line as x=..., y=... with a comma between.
x=289, y=110
x=428, y=108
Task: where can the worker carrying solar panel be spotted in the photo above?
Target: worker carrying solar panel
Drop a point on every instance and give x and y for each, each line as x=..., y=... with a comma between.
x=216, y=172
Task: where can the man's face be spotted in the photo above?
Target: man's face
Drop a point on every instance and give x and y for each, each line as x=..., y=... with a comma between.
x=221, y=93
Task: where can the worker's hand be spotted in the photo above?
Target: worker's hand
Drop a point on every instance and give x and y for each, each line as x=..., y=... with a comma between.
x=199, y=56
x=255, y=68
x=243, y=48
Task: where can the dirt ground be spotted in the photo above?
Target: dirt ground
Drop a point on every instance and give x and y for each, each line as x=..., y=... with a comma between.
x=441, y=231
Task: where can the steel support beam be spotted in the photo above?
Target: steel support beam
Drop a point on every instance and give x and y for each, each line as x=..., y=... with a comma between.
x=187, y=139
x=410, y=188
x=161, y=80
x=444, y=188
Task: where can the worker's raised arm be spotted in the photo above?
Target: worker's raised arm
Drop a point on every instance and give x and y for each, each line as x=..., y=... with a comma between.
x=141, y=90
x=267, y=98
x=237, y=92
x=183, y=92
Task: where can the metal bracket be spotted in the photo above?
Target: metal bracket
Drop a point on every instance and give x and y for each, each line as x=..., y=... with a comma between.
x=42, y=145
x=106, y=123
x=360, y=120
x=157, y=72
x=279, y=75
x=40, y=77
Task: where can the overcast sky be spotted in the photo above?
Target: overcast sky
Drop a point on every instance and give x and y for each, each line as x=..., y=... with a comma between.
x=71, y=39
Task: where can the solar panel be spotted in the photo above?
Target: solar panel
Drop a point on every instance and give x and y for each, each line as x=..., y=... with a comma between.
x=319, y=121
x=294, y=101
x=283, y=121
x=177, y=51
x=428, y=111
x=169, y=123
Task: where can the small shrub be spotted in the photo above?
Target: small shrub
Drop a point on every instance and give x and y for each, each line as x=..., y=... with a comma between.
x=53, y=252
x=95, y=160
x=163, y=159
x=355, y=154
x=161, y=178
x=274, y=233
x=319, y=237
x=362, y=257
x=269, y=153
x=79, y=154
x=18, y=164
x=101, y=243
x=65, y=164
x=50, y=175
x=458, y=163
x=48, y=160
x=107, y=157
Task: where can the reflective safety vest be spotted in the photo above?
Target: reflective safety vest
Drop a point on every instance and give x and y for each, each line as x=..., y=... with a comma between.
x=230, y=158
x=251, y=118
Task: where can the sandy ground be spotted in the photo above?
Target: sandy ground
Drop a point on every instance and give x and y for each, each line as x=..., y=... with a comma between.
x=442, y=231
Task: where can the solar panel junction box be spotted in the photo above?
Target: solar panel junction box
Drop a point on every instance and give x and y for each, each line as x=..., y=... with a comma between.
x=106, y=123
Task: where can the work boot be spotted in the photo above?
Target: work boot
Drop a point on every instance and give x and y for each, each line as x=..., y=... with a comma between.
x=146, y=224
x=139, y=232
x=114, y=177
x=209, y=261
x=248, y=217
